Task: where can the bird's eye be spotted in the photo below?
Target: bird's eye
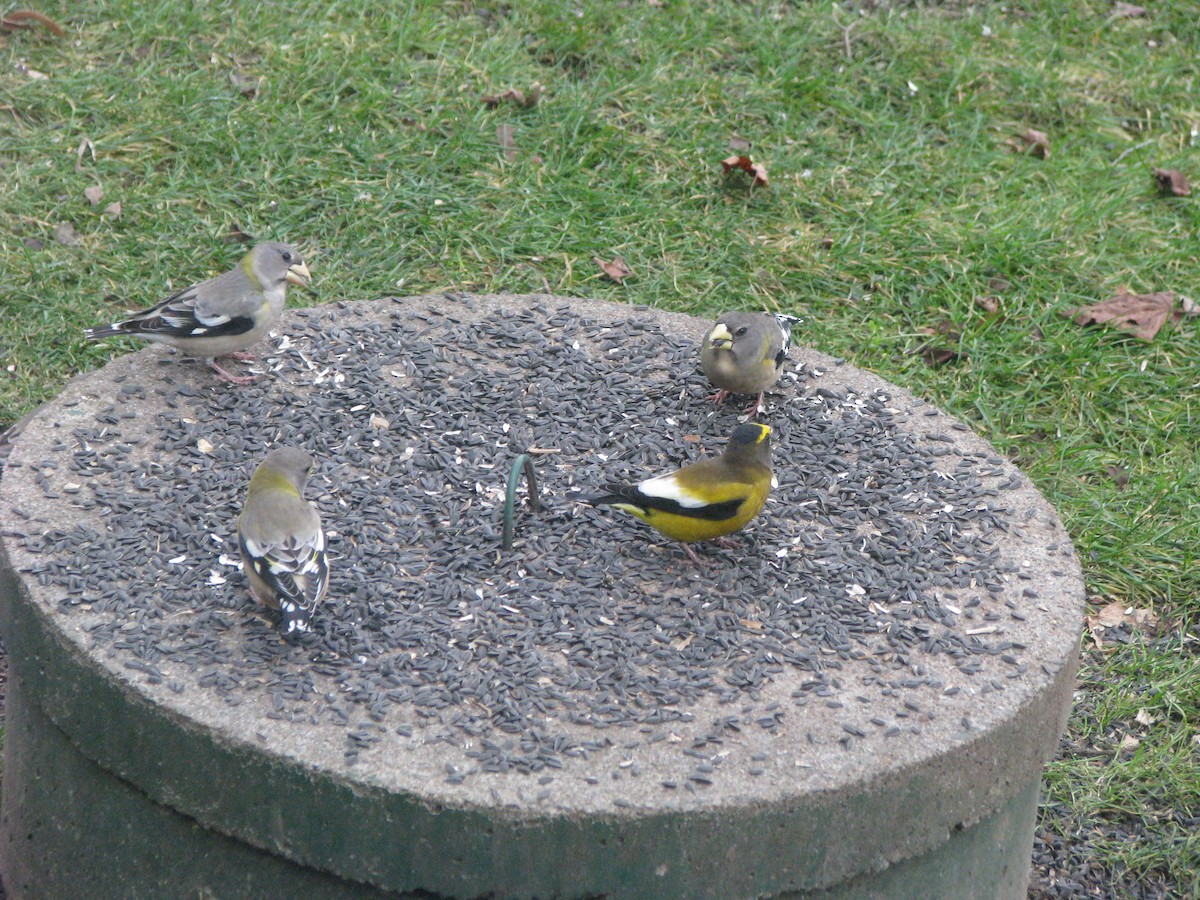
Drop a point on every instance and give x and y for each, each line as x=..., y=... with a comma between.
x=287, y=256
x=741, y=332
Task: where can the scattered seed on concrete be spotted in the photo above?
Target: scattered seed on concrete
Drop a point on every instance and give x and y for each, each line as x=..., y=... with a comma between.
x=877, y=548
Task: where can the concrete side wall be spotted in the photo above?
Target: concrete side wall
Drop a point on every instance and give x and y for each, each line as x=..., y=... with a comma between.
x=71, y=829
x=151, y=769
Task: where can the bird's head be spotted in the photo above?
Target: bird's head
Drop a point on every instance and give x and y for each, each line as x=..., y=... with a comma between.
x=273, y=263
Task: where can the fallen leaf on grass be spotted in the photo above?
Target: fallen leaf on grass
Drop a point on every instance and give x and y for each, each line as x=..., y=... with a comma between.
x=65, y=234
x=27, y=18
x=504, y=136
x=739, y=144
x=113, y=210
x=1145, y=718
x=235, y=235
x=246, y=85
x=1129, y=742
x=524, y=99
x=744, y=164
x=1118, y=475
x=616, y=270
x=1128, y=10
x=990, y=305
x=94, y=194
x=1171, y=181
x=85, y=146
x=936, y=357
x=34, y=243
x=936, y=354
x=1142, y=315
x=1031, y=141
x=1118, y=615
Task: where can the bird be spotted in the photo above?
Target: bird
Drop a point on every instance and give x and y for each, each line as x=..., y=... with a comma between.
x=223, y=315
x=744, y=353
x=281, y=540
x=706, y=500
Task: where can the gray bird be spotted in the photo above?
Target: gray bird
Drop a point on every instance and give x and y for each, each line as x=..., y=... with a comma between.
x=223, y=315
x=744, y=354
x=281, y=540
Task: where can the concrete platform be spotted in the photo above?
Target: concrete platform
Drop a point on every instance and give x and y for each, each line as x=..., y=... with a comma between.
x=856, y=703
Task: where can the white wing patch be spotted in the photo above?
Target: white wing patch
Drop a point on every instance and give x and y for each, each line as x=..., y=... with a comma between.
x=666, y=487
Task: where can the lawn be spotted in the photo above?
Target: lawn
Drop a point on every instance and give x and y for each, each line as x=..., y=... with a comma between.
x=908, y=218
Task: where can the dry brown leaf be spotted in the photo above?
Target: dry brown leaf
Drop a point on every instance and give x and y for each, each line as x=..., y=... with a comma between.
x=617, y=270
x=1142, y=315
x=1117, y=614
x=1031, y=141
x=246, y=85
x=94, y=194
x=113, y=210
x=1145, y=718
x=936, y=353
x=235, y=235
x=1129, y=742
x=744, y=164
x=504, y=136
x=524, y=99
x=1118, y=475
x=65, y=234
x=990, y=305
x=27, y=18
x=85, y=146
x=1171, y=181
x=1124, y=10
x=1110, y=616
x=936, y=357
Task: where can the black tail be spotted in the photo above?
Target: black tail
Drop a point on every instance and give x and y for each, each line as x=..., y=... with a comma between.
x=104, y=331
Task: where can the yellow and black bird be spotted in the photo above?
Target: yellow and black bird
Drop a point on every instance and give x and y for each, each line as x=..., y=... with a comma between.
x=744, y=353
x=281, y=540
x=705, y=500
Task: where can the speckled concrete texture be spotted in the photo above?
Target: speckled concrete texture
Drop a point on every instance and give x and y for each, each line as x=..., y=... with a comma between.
x=881, y=667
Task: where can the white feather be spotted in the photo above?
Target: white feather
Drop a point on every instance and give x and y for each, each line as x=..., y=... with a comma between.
x=667, y=487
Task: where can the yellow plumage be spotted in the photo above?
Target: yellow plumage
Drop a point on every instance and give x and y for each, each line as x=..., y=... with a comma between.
x=705, y=500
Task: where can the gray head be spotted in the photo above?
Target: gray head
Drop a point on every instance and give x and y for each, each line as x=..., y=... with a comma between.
x=272, y=263
x=292, y=463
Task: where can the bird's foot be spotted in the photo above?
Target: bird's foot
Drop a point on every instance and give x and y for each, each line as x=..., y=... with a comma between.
x=229, y=377
x=719, y=397
x=727, y=542
x=693, y=555
x=244, y=356
x=756, y=407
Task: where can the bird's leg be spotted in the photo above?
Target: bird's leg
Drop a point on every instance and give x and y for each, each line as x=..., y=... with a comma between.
x=687, y=548
x=229, y=377
x=727, y=542
x=756, y=407
x=719, y=397
x=244, y=356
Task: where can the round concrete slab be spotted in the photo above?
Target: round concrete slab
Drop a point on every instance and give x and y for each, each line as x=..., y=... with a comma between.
x=865, y=690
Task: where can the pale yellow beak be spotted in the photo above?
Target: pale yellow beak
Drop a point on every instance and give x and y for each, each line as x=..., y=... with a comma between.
x=299, y=275
x=720, y=338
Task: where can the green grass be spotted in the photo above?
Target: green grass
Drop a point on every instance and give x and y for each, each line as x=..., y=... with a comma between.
x=890, y=210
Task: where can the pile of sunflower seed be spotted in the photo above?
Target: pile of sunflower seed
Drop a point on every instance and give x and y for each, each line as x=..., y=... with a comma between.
x=880, y=548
